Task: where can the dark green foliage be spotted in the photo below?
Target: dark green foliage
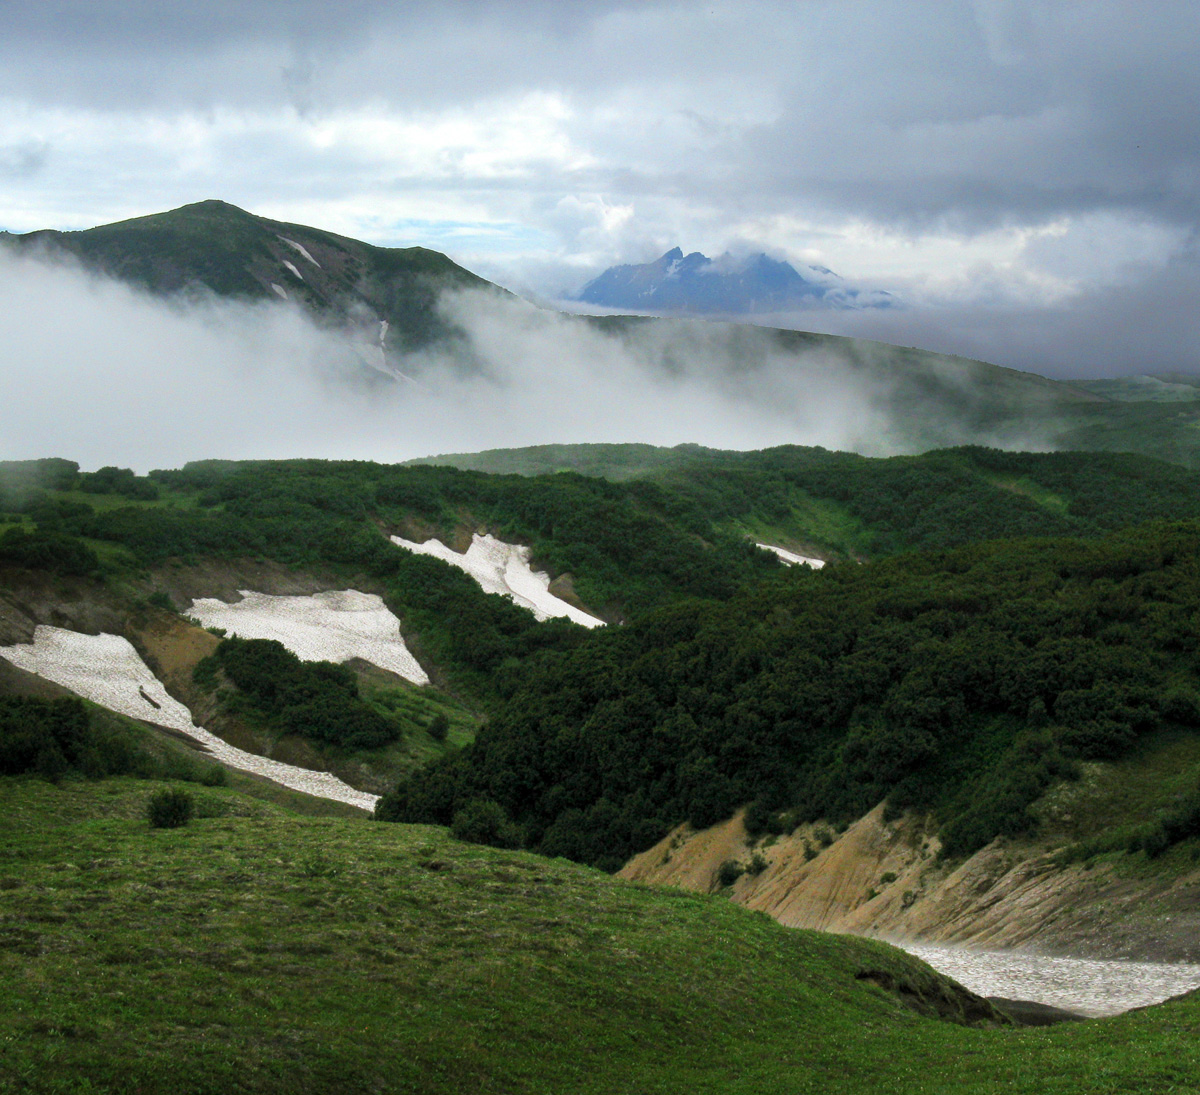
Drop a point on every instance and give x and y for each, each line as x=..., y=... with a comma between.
x=730, y=871
x=123, y=481
x=62, y=738
x=1180, y=822
x=485, y=822
x=820, y=694
x=318, y=700
x=171, y=808
x=46, y=737
x=439, y=727
x=41, y=550
x=22, y=481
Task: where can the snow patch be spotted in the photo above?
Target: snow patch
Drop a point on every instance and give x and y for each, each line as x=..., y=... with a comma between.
x=108, y=671
x=504, y=568
x=292, y=266
x=334, y=627
x=790, y=557
x=280, y=290
x=302, y=249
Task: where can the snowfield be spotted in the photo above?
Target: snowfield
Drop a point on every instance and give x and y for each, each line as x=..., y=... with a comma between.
x=791, y=558
x=302, y=249
x=326, y=627
x=108, y=671
x=504, y=568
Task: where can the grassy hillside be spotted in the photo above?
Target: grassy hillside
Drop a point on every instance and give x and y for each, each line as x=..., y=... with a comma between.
x=215, y=247
x=257, y=951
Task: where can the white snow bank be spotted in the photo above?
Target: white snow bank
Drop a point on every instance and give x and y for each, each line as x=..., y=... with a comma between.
x=107, y=670
x=280, y=290
x=504, y=568
x=790, y=557
x=302, y=249
x=331, y=627
x=292, y=266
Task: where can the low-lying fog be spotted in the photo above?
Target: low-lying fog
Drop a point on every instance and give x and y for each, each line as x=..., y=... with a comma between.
x=95, y=371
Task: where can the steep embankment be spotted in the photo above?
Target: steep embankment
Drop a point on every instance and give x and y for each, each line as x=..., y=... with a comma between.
x=884, y=879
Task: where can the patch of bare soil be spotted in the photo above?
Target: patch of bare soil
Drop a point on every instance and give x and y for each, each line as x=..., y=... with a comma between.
x=883, y=879
x=224, y=578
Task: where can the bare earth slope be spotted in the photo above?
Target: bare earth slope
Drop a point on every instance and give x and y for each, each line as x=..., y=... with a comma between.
x=883, y=880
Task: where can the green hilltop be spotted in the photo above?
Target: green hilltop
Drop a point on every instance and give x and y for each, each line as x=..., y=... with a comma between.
x=216, y=248
x=259, y=951
x=901, y=398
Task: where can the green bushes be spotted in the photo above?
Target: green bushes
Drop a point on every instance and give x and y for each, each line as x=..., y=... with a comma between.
x=170, y=809
x=318, y=700
x=485, y=822
x=40, y=550
x=813, y=697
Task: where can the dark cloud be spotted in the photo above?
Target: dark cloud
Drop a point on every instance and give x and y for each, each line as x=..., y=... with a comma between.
x=1144, y=327
x=659, y=123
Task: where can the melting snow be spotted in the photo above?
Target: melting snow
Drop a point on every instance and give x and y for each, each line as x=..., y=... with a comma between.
x=292, y=266
x=504, y=568
x=107, y=670
x=1092, y=986
x=280, y=290
x=333, y=626
x=791, y=558
x=302, y=249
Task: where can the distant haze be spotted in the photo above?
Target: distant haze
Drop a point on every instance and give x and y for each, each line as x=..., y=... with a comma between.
x=96, y=372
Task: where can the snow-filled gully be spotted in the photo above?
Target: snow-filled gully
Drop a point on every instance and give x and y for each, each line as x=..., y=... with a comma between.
x=504, y=568
x=334, y=626
x=108, y=671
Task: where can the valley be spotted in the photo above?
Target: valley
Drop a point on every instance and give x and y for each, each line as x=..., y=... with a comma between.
x=426, y=712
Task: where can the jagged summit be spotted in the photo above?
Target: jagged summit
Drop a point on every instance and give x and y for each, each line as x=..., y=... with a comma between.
x=694, y=283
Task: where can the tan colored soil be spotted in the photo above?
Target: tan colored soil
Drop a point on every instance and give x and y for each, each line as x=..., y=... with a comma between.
x=1006, y=896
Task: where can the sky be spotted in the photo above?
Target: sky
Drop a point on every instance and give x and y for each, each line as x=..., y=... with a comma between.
x=1023, y=176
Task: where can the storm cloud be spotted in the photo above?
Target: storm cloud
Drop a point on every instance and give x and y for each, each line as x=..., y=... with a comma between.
x=988, y=162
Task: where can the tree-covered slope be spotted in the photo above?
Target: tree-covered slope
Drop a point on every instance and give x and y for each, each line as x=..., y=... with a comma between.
x=627, y=547
x=963, y=683
x=851, y=505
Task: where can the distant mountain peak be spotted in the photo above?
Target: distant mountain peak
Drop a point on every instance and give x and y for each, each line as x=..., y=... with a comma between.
x=726, y=285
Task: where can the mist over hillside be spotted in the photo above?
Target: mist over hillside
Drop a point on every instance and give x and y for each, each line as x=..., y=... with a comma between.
x=111, y=371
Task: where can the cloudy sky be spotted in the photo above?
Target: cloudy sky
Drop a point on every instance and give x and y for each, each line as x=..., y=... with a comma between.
x=1024, y=176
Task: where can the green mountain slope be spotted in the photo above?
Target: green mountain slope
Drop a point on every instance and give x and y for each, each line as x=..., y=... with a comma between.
x=989, y=670
x=215, y=247
x=842, y=504
x=260, y=952
x=962, y=684
x=891, y=399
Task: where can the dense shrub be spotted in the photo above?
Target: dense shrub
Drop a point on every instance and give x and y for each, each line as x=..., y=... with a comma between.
x=40, y=550
x=964, y=684
x=318, y=700
x=170, y=809
x=485, y=822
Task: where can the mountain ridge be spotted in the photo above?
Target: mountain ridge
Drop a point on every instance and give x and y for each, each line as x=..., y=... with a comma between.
x=218, y=248
x=679, y=284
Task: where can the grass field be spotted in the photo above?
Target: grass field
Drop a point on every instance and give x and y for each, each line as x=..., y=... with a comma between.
x=257, y=950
